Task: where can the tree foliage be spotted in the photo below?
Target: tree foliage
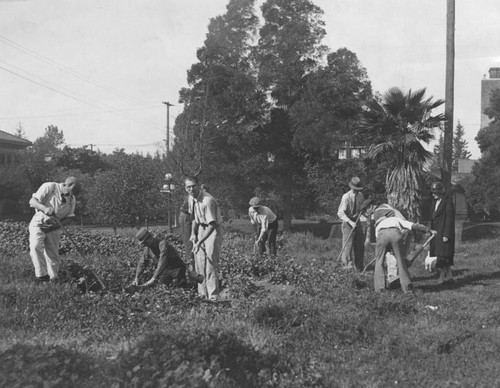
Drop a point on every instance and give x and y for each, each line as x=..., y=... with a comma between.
x=399, y=125
x=129, y=193
x=459, y=150
x=40, y=159
x=333, y=97
x=484, y=192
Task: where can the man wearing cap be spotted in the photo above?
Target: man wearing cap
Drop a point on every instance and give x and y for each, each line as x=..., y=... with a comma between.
x=265, y=224
x=390, y=226
x=207, y=237
x=443, y=221
x=353, y=226
x=52, y=200
x=170, y=266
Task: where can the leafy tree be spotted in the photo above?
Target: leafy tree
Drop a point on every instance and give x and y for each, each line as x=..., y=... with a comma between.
x=221, y=105
x=459, y=146
x=333, y=98
x=39, y=160
x=484, y=192
x=290, y=47
x=129, y=193
x=398, y=125
x=20, y=131
x=83, y=159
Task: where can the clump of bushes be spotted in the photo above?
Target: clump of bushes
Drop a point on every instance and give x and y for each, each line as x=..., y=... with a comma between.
x=40, y=366
x=196, y=358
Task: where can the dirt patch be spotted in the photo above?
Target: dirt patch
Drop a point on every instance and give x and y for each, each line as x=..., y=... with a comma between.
x=274, y=291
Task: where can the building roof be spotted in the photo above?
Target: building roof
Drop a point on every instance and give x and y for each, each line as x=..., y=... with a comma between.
x=13, y=141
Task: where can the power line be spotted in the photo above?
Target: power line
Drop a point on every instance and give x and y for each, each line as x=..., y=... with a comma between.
x=77, y=114
x=66, y=94
x=74, y=73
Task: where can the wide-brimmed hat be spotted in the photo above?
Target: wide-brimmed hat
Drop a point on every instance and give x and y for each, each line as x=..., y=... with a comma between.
x=142, y=234
x=355, y=183
x=254, y=201
x=437, y=187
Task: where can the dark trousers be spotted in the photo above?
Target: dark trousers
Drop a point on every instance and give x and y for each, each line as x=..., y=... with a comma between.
x=270, y=238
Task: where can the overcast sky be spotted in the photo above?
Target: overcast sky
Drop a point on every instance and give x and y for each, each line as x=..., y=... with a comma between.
x=100, y=69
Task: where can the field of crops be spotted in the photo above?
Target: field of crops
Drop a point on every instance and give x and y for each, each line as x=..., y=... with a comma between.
x=297, y=320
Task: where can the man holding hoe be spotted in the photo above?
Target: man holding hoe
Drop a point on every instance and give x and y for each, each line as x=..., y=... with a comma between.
x=353, y=226
x=54, y=203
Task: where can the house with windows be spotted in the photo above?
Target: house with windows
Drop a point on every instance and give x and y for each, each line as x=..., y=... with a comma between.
x=349, y=151
x=10, y=145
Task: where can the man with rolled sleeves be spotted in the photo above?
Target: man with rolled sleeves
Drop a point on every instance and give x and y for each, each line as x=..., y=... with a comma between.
x=52, y=200
x=390, y=226
x=353, y=226
x=265, y=223
x=170, y=266
x=207, y=237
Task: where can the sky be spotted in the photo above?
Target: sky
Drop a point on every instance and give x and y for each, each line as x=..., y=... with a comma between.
x=100, y=70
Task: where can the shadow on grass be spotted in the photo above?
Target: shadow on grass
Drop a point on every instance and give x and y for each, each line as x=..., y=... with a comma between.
x=480, y=279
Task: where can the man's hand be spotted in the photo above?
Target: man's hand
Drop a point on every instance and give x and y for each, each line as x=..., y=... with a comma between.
x=445, y=239
x=352, y=223
x=196, y=247
x=135, y=282
x=49, y=225
x=50, y=212
x=192, y=238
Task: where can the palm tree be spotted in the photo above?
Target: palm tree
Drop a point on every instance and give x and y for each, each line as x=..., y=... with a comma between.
x=398, y=125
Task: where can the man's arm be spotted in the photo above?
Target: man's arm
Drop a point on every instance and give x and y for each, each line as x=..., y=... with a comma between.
x=342, y=209
x=35, y=203
x=162, y=263
x=143, y=263
x=264, y=223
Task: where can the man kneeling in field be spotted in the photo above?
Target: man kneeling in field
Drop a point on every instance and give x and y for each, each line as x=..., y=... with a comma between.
x=170, y=266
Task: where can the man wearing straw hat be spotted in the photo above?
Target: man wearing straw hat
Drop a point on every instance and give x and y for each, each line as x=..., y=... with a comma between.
x=353, y=226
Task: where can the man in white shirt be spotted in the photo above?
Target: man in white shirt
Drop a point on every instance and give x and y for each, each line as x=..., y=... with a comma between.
x=206, y=236
x=389, y=227
x=353, y=226
x=52, y=200
x=266, y=226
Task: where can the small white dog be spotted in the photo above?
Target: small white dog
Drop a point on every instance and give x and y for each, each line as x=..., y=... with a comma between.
x=430, y=263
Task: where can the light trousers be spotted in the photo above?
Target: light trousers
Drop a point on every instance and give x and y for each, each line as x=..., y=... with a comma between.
x=386, y=239
x=353, y=241
x=207, y=263
x=44, y=251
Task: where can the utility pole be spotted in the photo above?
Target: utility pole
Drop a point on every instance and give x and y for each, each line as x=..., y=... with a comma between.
x=449, y=95
x=167, y=140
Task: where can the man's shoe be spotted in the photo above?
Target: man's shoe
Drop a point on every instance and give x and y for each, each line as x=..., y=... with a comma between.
x=42, y=279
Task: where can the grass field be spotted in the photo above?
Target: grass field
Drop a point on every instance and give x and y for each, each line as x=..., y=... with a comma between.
x=295, y=321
